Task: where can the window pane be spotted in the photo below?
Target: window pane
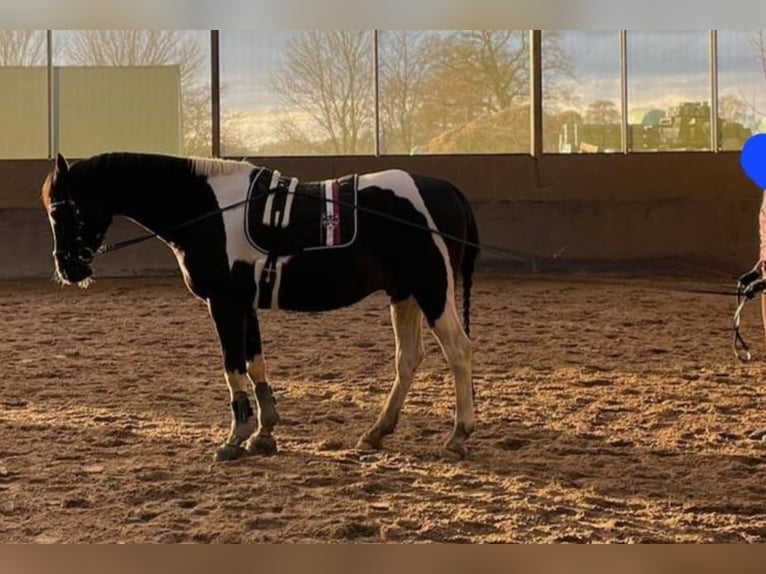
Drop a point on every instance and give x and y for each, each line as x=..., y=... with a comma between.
x=668, y=91
x=23, y=94
x=741, y=86
x=581, y=91
x=132, y=90
x=461, y=91
x=302, y=92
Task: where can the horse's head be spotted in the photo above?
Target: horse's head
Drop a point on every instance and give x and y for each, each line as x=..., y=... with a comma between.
x=78, y=223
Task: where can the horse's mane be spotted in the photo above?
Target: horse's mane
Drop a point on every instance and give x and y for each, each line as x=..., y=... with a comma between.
x=213, y=167
x=45, y=194
x=199, y=166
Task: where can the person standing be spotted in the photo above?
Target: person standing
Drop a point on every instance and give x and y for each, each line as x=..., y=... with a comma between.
x=753, y=162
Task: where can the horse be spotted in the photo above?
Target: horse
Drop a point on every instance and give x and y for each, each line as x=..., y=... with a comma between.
x=407, y=235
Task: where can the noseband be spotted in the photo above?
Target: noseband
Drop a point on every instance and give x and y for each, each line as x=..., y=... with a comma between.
x=82, y=253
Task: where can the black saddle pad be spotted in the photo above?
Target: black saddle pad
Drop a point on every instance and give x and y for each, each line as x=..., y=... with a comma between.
x=285, y=217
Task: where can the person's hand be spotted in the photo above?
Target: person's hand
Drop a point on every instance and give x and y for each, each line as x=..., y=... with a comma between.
x=752, y=282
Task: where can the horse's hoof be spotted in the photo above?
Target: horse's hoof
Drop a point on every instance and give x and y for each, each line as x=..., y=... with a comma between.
x=454, y=451
x=227, y=452
x=264, y=445
x=368, y=443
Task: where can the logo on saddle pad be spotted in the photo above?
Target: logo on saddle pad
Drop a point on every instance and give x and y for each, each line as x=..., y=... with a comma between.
x=286, y=217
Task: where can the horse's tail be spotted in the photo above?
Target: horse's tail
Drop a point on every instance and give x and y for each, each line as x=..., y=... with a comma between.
x=468, y=264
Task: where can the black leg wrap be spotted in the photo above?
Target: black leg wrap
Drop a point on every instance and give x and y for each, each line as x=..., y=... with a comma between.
x=268, y=417
x=263, y=392
x=241, y=408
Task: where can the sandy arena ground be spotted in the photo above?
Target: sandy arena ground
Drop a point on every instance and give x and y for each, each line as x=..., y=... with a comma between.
x=609, y=411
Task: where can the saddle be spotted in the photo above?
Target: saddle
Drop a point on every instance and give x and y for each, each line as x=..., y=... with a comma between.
x=285, y=217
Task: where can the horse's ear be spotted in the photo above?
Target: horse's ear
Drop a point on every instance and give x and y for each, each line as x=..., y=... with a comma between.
x=62, y=167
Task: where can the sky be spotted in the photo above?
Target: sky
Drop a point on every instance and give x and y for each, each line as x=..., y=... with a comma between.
x=657, y=61
x=664, y=68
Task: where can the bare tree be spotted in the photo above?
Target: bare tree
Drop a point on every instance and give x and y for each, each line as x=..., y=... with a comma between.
x=757, y=41
x=757, y=117
x=405, y=64
x=136, y=48
x=198, y=122
x=153, y=48
x=494, y=65
x=507, y=130
x=293, y=141
x=492, y=59
x=602, y=112
x=328, y=76
x=22, y=48
x=431, y=83
x=483, y=73
x=733, y=109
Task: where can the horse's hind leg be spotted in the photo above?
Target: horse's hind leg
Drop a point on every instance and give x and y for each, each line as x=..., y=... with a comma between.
x=406, y=319
x=263, y=442
x=457, y=349
x=229, y=319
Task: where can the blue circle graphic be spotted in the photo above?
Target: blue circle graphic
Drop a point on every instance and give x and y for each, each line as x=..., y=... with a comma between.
x=753, y=159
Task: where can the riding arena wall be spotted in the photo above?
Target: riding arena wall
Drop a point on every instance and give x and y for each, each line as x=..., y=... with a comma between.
x=647, y=211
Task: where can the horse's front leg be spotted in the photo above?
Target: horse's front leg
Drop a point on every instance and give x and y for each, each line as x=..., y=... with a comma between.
x=229, y=315
x=263, y=442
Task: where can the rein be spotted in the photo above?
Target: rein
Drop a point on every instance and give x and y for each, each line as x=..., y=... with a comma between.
x=744, y=292
x=748, y=286
x=110, y=247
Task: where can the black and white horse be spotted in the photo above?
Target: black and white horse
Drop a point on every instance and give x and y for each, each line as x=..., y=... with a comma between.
x=221, y=266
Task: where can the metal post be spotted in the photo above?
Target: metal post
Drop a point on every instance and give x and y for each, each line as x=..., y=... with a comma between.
x=52, y=144
x=215, y=92
x=624, y=135
x=536, y=92
x=376, y=79
x=714, y=136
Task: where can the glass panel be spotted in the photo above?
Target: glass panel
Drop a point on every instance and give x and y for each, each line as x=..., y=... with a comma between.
x=300, y=92
x=741, y=86
x=454, y=91
x=668, y=91
x=581, y=91
x=132, y=90
x=23, y=94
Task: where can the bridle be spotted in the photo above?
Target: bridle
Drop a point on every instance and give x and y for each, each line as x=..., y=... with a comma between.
x=77, y=250
x=511, y=254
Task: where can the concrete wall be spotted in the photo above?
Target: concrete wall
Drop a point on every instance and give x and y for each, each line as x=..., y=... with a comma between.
x=611, y=211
